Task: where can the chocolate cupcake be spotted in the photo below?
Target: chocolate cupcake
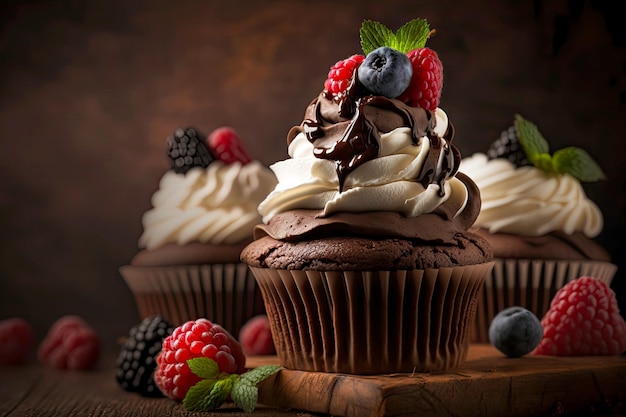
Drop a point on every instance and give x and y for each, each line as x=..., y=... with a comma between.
x=538, y=220
x=364, y=258
x=203, y=214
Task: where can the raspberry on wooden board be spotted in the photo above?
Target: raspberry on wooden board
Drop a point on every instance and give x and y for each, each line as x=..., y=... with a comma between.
x=195, y=339
x=70, y=344
x=17, y=341
x=255, y=336
x=583, y=319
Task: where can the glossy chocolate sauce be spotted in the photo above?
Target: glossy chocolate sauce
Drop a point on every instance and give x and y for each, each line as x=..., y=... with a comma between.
x=359, y=142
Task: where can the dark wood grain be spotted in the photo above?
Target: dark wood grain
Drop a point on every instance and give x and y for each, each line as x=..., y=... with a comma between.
x=40, y=392
x=487, y=385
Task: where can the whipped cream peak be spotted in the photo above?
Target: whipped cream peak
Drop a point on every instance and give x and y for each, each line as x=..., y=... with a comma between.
x=529, y=201
x=216, y=204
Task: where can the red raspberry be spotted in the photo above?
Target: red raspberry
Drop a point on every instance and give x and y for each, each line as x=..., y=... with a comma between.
x=256, y=337
x=227, y=147
x=583, y=319
x=425, y=88
x=340, y=74
x=195, y=339
x=17, y=340
x=70, y=344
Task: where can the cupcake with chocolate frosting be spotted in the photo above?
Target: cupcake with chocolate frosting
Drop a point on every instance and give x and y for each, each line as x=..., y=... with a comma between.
x=201, y=218
x=538, y=220
x=364, y=258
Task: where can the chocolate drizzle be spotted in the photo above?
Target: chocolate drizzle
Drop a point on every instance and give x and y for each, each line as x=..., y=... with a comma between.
x=347, y=130
x=358, y=144
x=442, y=162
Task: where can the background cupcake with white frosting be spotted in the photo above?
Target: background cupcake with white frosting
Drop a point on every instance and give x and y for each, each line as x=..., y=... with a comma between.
x=201, y=218
x=538, y=220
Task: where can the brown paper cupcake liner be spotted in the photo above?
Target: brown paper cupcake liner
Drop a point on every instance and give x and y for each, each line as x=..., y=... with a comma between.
x=530, y=284
x=364, y=322
x=226, y=294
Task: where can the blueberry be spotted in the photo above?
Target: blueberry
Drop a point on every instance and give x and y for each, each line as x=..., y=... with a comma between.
x=515, y=331
x=385, y=72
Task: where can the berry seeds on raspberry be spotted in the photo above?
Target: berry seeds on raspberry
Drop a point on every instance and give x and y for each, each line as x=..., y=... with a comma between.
x=340, y=75
x=583, y=319
x=195, y=339
x=425, y=88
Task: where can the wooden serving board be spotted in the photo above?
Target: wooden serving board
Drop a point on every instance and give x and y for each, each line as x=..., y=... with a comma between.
x=488, y=384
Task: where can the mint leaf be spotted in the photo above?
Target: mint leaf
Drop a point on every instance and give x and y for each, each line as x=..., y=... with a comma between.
x=245, y=395
x=574, y=161
x=204, y=367
x=578, y=163
x=204, y=399
x=245, y=392
x=257, y=375
x=194, y=399
x=411, y=35
x=543, y=161
x=530, y=138
x=374, y=35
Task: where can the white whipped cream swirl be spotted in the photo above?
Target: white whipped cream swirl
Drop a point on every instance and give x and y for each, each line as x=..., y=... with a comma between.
x=215, y=205
x=386, y=183
x=528, y=201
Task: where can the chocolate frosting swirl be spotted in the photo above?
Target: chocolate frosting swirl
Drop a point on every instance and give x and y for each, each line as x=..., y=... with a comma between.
x=348, y=131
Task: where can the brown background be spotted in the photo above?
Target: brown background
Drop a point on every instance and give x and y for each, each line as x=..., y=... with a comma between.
x=90, y=90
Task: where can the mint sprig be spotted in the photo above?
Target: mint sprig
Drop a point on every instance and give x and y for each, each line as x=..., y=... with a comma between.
x=214, y=388
x=204, y=367
x=245, y=392
x=411, y=35
x=572, y=160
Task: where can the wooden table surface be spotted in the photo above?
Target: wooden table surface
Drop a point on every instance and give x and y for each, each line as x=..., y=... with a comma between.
x=41, y=392
x=488, y=384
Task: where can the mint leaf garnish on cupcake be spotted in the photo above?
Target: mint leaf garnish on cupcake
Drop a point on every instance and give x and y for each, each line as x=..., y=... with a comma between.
x=572, y=160
x=577, y=163
x=214, y=388
x=411, y=35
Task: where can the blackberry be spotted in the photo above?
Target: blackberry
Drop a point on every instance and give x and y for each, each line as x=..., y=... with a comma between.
x=187, y=149
x=508, y=147
x=137, y=359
